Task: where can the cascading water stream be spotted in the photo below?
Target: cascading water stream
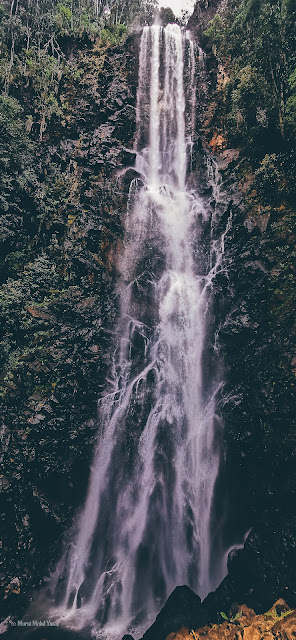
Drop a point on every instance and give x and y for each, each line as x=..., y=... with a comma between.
x=146, y=524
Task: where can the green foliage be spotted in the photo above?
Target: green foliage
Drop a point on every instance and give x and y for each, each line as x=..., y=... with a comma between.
x=223, y=615
x=216, y=32
x=44, y=73
x=65, y=11
x=167, y=16
x=250, y=105
x=278, y=616
x=63, y=18
x=274, y=178
x=15, y=151
x=255, y=41
x=286, y=613
x=237, y=616
x=113, y=35
x=19, y=299
x=18, y=181
x=290, y=107
x=269, y=179
x=35, y=39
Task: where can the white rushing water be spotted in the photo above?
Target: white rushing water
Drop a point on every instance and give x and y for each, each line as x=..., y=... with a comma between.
x=146, y=525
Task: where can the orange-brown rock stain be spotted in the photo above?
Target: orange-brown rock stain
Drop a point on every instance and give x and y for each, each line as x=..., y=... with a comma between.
x=277, y=624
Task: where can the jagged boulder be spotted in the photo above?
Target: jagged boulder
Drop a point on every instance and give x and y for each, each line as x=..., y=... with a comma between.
x=183, y=608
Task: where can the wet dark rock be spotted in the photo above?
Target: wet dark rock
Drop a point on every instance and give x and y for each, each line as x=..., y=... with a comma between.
x=60, y=319
x=183, y=608
x=204, y=11
x=44, y=632
x=260, y=573
x=227, y=160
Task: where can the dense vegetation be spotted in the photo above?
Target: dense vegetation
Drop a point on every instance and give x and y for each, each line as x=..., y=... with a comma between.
x=252, y=108
x=255, y=44
x=68, y=89
x=42, y=63
x=37, y=37
x=256, y=41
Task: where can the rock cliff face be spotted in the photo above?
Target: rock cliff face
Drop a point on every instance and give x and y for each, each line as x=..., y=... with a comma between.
x=257, y=337
x=57, y=316
x=257, y=481
x=203, y=12
x=255, y=303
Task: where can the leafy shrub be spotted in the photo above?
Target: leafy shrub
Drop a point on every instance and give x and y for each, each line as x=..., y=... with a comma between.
x=167, y=16
x=113, y=35
x=255, y=43
x=290, y=109
x=63, y=18
x=269, y=179
x=250, y=108
x=237, y=616
x=18, y=179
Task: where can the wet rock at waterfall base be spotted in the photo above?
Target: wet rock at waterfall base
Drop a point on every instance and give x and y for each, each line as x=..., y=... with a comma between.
x=260, y=573
x=44, y=633
x=183, y=608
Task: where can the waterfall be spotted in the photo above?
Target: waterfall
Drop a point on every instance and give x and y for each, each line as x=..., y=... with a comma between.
x=146, y=524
